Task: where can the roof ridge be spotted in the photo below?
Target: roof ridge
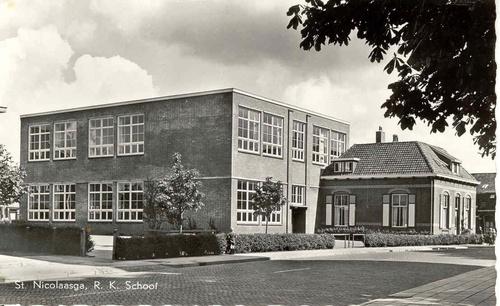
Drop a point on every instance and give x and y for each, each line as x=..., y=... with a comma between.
x=419, y=144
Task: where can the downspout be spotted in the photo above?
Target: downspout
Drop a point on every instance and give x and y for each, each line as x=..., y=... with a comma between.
x=306, y=162
x=433, y=206
x=288, y=188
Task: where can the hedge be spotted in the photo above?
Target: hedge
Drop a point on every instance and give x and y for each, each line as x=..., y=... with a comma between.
x=166, y=246
x=247, y=243
x=383, y=239
x=41, y=239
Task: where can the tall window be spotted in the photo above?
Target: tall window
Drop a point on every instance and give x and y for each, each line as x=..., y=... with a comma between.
x=101, y=202
x=400, y=210
x=39, y=142
x=38, y=203
x=244, y=209
x=337, y=145
x=101, y=137
x=467, y=212
x=320, y=145
x=298, y=138
x=130, y=201
x=65, y=140
x=248, y=130
x=64, y=202
x=341, y=209
x=298, y=195
x=272, y=135
x=131, y=135
x=445, y=210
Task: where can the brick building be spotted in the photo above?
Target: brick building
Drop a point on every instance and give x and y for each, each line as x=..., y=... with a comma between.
x=486, y=200
x=87, y=166
x=397, y=185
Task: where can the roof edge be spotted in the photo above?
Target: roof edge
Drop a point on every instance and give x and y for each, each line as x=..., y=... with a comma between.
x=186, y=95
x=411, y=175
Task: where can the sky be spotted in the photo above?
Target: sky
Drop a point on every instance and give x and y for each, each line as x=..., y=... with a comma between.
x=62, y=54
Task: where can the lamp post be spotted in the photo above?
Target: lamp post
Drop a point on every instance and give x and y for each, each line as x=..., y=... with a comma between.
x=3, y=109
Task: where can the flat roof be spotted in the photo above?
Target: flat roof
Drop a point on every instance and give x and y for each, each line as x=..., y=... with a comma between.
x=193, y=94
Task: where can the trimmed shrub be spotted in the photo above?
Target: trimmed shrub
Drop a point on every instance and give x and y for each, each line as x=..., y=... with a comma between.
x=385, y=240
x=167, y=246
x=18, y=237
x=247, y=243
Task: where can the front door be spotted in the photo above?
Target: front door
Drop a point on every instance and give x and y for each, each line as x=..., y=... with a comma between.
x=298, y=220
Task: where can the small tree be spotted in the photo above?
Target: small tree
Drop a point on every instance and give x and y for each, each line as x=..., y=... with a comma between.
x=154, y=212
x=11, y=179
x=179, y=192
x=268, y=198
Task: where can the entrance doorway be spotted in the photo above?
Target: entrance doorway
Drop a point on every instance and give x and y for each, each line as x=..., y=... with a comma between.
x=298, y=220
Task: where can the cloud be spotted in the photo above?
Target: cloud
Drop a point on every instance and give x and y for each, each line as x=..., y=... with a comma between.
x=33, y=65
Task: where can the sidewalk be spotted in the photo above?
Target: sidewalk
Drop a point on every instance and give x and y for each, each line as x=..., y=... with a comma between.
x=472, y=288
x=349, y=251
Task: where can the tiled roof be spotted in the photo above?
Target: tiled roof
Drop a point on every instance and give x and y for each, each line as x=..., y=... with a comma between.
x=487, y=180
x=395, y=158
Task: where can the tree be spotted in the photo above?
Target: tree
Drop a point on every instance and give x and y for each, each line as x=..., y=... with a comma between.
x=444, y=56
x=154, y=212
x=268, y=198
x=11, y=179
x=170, y=197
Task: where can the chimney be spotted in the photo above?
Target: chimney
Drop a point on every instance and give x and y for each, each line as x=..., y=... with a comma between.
x=379, y=135
x=395, y=138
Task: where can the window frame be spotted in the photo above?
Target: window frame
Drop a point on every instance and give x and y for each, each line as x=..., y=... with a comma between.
x=341, y=209
x=101, y=146
x=65, y=201
x=298, y=153
x=338, y=143
x=130, y=210
x=39, y=211
x=65, y=148
x=131, y=143
x=100, y=210
x=274, y=127
x=40, y=151
x=247, y=210
x=295, y=195
x=325, y=152
x=404, y=208
x=246, y=139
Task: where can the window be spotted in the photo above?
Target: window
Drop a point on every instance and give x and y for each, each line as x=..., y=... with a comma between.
x=272, y=135
x=341, y=209
x=38, y=202
x=101, y=202
x=39, y=142
x=298, y=137
x=65, y=140
x=275, y=218
x=244, y=209
x=399, y=210
x=298, y=195
x=64, y=202
x=248, y=130
x=130, y=201
x=445, y=210
x=131, y=135
x=320, y=146
x=101, y=137
x=467, y=212
x=455, y=168
x=337, y=145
